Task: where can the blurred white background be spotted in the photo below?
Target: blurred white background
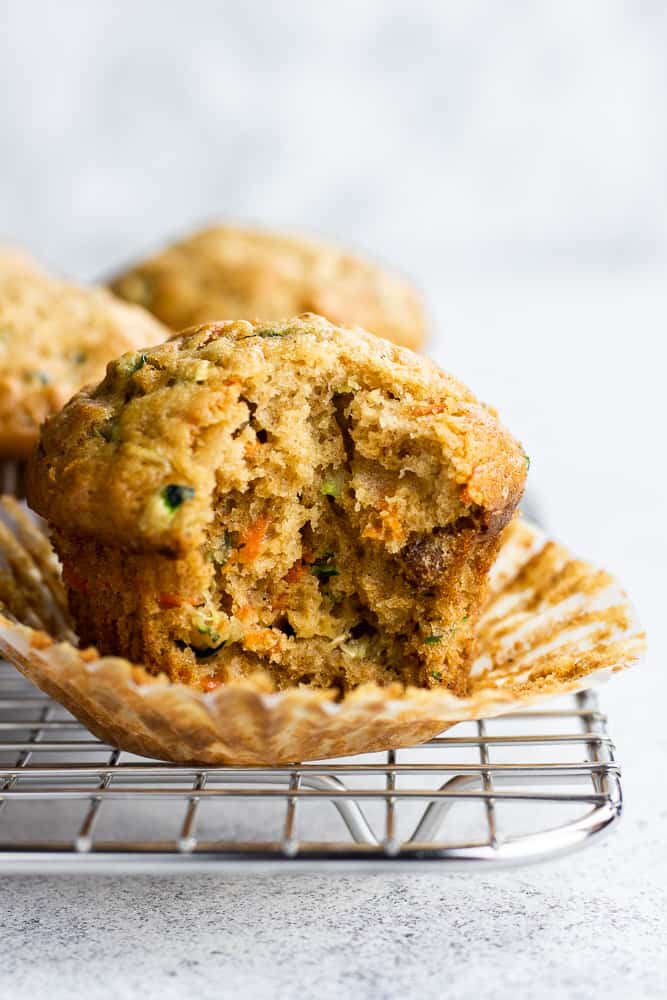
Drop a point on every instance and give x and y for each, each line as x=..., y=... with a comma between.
x=511, y=157
x=479, y=138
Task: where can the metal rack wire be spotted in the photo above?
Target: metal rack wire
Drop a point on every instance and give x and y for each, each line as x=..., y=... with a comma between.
x=505, y=791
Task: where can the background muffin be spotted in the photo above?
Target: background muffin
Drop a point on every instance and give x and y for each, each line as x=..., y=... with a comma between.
x=230, y=273
x=55, y=338
x=294, y=497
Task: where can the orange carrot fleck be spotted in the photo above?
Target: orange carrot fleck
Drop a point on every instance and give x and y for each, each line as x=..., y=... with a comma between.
x=170, y=600
x=178, y=600
x=384, y=527
x=246, y=613
x=211, y=683
x=427, y=409
x=262, y=640
x=252, y=540
x=250, y=448
x=295, y=573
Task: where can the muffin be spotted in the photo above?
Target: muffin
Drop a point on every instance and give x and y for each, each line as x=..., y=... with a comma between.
x=230, y=273
x=298, y=501
x=54, y=338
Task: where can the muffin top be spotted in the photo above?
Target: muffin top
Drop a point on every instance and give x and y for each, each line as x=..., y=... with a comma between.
x=54, y=338
x=139, y=460
x=229, y=273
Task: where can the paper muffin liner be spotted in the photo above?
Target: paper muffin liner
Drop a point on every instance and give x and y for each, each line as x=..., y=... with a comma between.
x=552, y=623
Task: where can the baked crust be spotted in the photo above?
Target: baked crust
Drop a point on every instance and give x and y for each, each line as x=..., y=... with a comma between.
x=54, y=338
x=295, y=497
x=232, y=273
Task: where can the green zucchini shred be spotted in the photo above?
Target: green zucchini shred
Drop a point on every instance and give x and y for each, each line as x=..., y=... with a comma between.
x=173, y=495
x=270, y=331
x=332, y=484
x=205, y=630
x=131, y=364
x=110, y=431
x=323, y=568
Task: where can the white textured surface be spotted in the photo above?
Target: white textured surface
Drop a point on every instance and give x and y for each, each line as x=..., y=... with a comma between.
x=559, y=933
x=513, y=139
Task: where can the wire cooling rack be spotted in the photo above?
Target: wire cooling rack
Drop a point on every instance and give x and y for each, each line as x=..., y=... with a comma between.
x=519, y=788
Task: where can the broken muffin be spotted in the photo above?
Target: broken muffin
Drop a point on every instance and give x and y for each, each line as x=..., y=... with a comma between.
x=291, y=498
x=227, y=272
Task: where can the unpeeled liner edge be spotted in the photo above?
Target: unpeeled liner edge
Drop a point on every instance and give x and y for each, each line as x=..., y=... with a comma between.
x=552, y=624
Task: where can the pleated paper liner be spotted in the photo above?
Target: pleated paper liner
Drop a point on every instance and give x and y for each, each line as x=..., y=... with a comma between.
x=552, y=624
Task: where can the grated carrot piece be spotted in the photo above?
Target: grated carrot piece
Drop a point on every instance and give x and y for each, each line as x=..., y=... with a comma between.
x=178, y=600
x=262, y=640
x=427, y=409
x=251, y=448
x=210, y=684
x=252, y=539
x=296, y=572
x=384, y=527
x=246, y=613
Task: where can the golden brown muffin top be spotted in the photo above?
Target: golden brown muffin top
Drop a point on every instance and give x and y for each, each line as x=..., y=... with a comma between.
x=139, y=460
x=54, y=338
x=229, y=273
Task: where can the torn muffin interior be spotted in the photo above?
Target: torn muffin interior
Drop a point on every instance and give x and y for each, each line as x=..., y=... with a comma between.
x=329, y=533
x=336, y=583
